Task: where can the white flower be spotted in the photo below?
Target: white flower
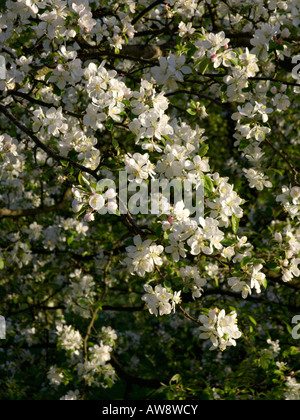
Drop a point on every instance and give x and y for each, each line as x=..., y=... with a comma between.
x=290, y=198
x=144, y=256
x=176, y=248
x=96, y=201
x=139, y=167
x=281, y=102
x=220, y=328
x=238, y=285
x=155, y=124
x=71, y=396
x=160, y=301
x=198, y=166
x=257, y=179
x=293, y=393
x=228, y=253
x=257, y=278
x=198, y=243
x=192, y=280
x=185, y=30
x=215, y=42
x=100, y=354
x=70, y=339
x=171, y=69
x=293, y=270
x=55, y=376
x=54, y=121
x=249, y=61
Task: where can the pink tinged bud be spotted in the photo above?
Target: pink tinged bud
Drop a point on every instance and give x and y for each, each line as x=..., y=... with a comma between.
x=216, y=311
x=274, y=90
x=226, y=47
x=56, y=58
x=283, y=88
x=292, y=373
x=112, y=206
x=89, y=217
x=86, y=30
x=171, y=219
x=213, y=58
x=285, y=263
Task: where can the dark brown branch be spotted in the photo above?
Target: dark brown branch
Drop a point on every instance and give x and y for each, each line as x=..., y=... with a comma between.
x=149, y=383
x=41, y=103
x=42, y=210
x=50, y=152
x=146, y=11
x=188, y=316
x=286, y=159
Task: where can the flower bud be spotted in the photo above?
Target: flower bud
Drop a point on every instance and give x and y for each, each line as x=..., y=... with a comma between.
x=285, y=263
x=89, y=217
x=76, y=206
x=283, y=88
x=285, y=33
x=274, y=90
x=213, y=58
x=278, y=237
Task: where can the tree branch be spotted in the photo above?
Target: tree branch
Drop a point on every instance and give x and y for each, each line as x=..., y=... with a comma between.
x=286, y=159
x=34, y=212
x=41, y=103
x=146, y=11
x=50, y=152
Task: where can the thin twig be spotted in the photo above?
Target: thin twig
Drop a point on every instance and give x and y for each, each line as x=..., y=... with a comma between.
x=50, y=152
x=286, y=159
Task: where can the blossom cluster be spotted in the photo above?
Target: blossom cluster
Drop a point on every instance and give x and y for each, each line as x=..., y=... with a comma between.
x=160, y=301
x=185, y=91
x=221, y=329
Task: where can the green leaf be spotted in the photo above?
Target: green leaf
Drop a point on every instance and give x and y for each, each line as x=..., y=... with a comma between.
x=208, y=184
x=252, y=320
x=64, y=163
x=159, y=231
x=109, y=124
x=82, y=181
x=1, y=263
x=272, y=266
x=115, y=144
x=204, y=65
x=70, y=240
x=260, y=261
x=265, y=283
x=243, y=144
x=235, y=224
x=168, y=285
x=203, y=149
x=246, y=261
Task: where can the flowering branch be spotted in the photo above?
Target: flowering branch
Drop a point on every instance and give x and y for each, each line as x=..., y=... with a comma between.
x=42, y=210
x=50, y=152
